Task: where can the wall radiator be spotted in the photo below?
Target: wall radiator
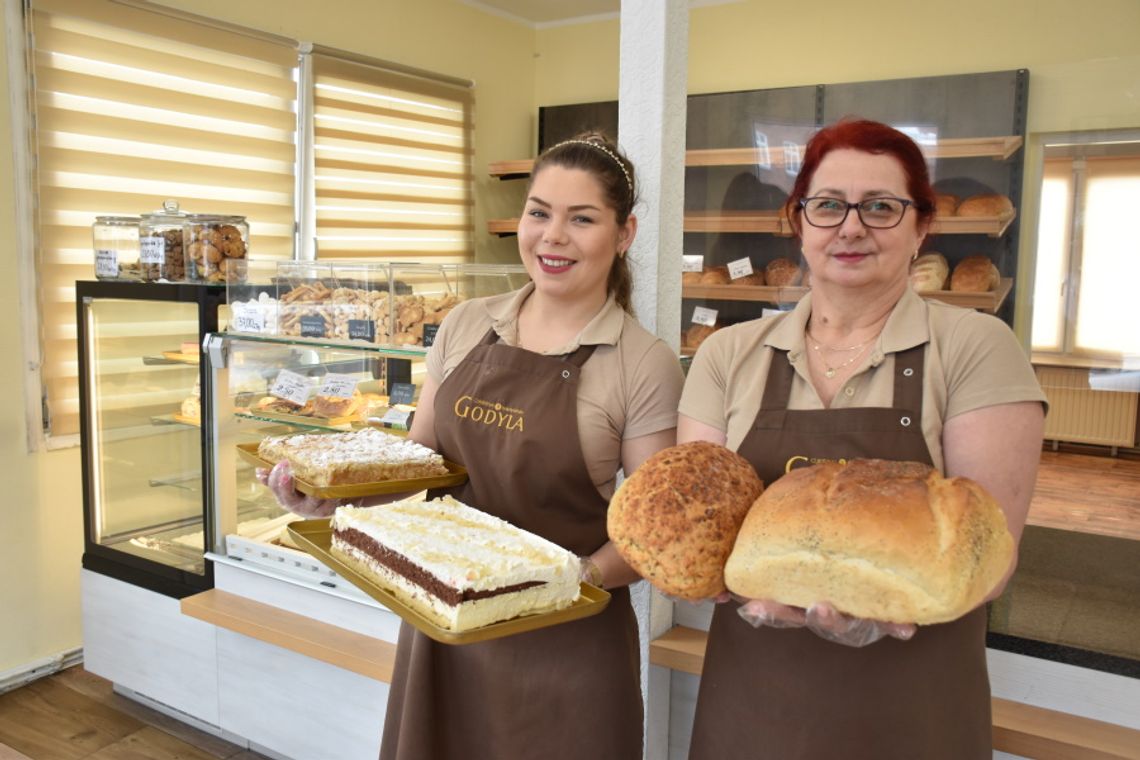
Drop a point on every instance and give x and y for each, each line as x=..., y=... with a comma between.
x=1079, y=414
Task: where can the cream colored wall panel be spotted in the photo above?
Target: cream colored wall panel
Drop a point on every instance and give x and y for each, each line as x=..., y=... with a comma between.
x=141, y=640
x=296, y=706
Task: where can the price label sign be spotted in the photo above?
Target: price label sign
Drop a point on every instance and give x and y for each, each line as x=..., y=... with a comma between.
x=691, y=262
x=362, y=329
x=106, y=264
x=152, y=249
x=740, y=268
x=313, y=326
x=291, y=387
x=429, y=335
x=396, y=418
x=704, y=316
x=247, y=318
x=337, y=386
x=401, y=393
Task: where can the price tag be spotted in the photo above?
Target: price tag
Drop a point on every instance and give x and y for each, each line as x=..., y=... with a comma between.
x=429, y=334
x=152, y=249
x=739, y=268
x=692, y=262
x=703, y=316
x=362, y=329
x=247, y=317
x=337, y=386
x=106, y=264
x=401, y=393
x=313, y=326
x=396, y=418
x=291, y=387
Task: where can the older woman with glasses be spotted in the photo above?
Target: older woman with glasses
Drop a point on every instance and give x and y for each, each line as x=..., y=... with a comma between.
x=862, y=367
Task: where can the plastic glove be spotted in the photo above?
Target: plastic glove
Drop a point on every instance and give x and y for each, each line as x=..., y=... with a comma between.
x=280, y=482
x=823, y=620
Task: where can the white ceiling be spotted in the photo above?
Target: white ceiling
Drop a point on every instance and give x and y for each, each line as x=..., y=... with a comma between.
x=539, y=13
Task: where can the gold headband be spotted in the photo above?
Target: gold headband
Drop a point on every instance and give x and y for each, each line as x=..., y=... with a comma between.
x=603, y=149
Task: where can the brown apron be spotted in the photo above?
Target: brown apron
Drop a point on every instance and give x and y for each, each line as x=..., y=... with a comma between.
x=572, y=690
x=787, y=693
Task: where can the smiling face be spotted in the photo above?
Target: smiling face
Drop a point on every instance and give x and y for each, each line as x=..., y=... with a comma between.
x=569, y=235
x=851, y=254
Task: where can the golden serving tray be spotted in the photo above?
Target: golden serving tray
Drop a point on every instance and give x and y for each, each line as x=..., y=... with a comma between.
x=456, y=475
x=315, y=536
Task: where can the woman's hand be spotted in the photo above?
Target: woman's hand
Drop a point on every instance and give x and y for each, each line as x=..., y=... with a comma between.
x=824, y=621
x=279, y=480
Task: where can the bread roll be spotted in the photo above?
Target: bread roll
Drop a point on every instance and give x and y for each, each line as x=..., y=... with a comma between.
x=987, y=204
x=715, y=276
x=696, y=335
x=336, y=406
x=945, y=204
x=674, y=520
x=975, y=274
x=756, y=278
x=782, y=272
x=881, y=540
x=929, y=272
x=690, y=278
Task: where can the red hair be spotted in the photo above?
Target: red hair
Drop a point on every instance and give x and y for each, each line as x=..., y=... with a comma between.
x=869, y=137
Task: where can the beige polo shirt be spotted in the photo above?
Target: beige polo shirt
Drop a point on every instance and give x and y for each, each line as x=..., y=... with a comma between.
x=629, y=387
x=972, y=360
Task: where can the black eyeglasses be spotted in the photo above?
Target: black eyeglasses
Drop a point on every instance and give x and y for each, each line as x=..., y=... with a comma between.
x=876, y=213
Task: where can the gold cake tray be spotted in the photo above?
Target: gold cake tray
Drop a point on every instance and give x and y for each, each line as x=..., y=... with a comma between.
x=315, y=537
x=456, y=475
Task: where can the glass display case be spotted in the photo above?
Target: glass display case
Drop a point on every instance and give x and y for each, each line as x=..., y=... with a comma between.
x=143, y=443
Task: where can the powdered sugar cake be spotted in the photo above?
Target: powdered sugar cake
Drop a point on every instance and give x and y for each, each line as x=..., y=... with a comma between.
x=456, y=566
x=361, y=456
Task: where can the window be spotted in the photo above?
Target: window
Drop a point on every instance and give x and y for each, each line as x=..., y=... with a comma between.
x=1087, y=257
x=135, y=103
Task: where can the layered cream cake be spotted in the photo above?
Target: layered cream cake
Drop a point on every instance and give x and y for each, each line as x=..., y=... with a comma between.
x=457, y=566
x=362, y=456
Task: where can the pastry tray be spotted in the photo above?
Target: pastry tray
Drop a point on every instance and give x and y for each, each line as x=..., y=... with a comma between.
x=456, y=475
x=315, y=536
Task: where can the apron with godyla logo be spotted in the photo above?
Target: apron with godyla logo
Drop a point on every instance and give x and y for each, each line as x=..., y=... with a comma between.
x=787, y=693
x=510, y=417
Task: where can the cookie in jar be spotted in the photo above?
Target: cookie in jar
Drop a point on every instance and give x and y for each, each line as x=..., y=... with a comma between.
x=216, y=248
x=160, y=242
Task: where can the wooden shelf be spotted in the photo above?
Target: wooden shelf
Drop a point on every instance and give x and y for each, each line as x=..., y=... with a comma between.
x=343, y=648
x=994, y=226
x=997, y=148
x=765, y=293
x=1018, y=728
x=988, y=302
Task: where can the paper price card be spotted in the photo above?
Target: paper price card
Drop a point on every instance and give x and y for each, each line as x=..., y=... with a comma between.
x=703, y=316
x=692, y=262
x=740, y=268
x=291, y=387
x=152, y=249
x=338, y=386
x=246, y=318
x=106, y=263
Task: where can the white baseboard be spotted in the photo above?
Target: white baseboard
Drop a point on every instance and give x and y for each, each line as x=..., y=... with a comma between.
x=25, y=674
x=188, y=719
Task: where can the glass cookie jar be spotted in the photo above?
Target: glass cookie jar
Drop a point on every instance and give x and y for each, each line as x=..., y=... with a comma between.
x=217, y=248
x=160, y=243
x=116, y=244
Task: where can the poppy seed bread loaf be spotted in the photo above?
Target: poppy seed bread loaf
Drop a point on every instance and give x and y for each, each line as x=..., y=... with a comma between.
x=882, y=540
x=674, y=520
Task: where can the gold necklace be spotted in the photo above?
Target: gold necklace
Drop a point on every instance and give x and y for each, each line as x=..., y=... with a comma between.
x=817, y=344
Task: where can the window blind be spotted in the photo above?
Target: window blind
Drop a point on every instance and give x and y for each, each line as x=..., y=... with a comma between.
x=391, y=164
x=133, y=106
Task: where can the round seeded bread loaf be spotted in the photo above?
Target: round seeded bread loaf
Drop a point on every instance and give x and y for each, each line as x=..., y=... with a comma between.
x=881, y=540
x=675, y=519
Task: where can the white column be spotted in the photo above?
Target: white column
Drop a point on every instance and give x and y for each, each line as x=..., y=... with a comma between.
x=651, y=127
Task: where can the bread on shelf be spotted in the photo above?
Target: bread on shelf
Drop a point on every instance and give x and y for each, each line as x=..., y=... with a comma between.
x=715, y=276
x=691, y=278
x=945, y=204
x=783, y=272
x=985, y=204
x=975, y=274
x=929, y=272
x=756, y=278
x=695, y=335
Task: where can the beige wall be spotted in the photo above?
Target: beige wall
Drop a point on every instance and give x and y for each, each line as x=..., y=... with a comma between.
x=40, y=513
